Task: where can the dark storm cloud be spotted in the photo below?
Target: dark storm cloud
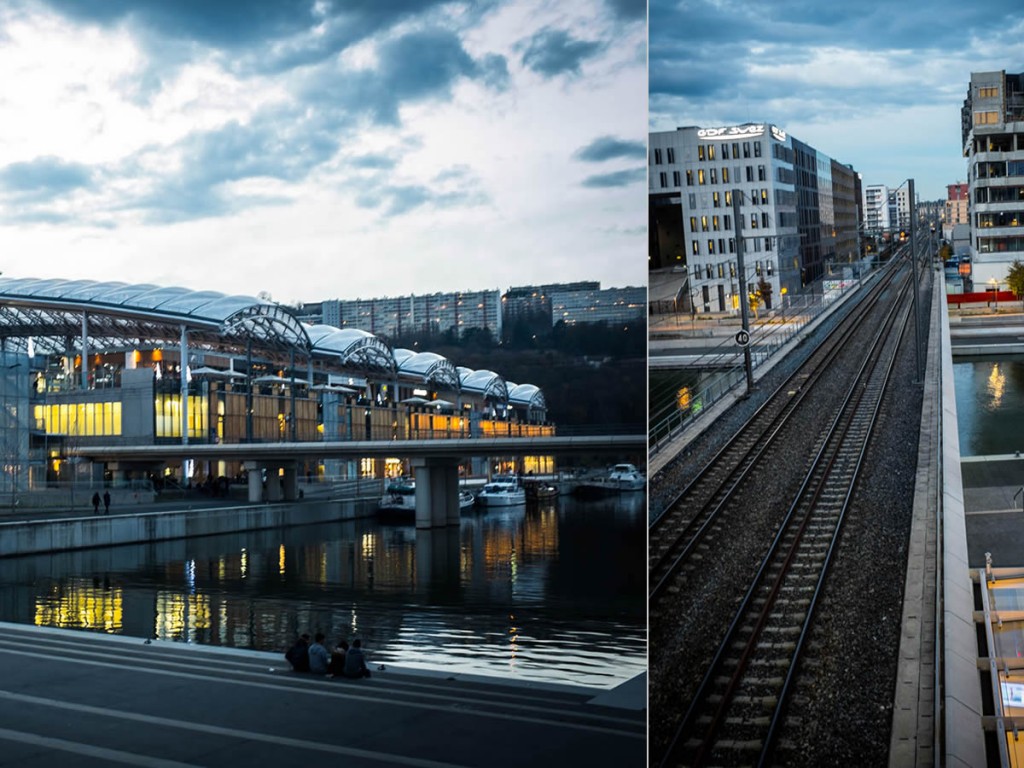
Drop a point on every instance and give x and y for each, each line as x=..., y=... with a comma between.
x=629, y=10
x=43, y=178
x=552, y=52
x=233, y=24
x=610, y=148
x=421, y=65
x=616, y=178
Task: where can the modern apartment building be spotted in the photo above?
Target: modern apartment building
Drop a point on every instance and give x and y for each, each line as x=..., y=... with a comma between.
x=610, y=305
x=788, y=219
x=434, y=313
x=992, y=125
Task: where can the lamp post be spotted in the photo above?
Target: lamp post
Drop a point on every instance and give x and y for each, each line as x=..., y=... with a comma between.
x=995, y=293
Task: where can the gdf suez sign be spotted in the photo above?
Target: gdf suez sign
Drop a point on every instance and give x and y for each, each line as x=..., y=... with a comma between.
x=743, y=338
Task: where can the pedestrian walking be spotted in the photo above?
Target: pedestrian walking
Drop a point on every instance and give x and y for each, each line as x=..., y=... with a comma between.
x=106, y=502
x=96, y=503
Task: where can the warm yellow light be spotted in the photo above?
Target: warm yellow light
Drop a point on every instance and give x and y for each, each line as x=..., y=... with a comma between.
x=683, y=398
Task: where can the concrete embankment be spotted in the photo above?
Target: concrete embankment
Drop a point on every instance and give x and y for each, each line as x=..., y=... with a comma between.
x=49, y=534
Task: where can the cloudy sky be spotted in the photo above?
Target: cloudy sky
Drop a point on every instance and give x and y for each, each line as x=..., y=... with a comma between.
x=324, y=148
x=873, y=83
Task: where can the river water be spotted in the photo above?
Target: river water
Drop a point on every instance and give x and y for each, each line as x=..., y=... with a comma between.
x=553, y=593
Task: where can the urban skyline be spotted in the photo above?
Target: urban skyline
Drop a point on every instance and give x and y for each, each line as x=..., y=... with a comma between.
x=874, y=85
x=402, y=148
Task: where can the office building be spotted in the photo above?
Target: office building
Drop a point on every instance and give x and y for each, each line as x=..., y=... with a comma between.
x=788, y=212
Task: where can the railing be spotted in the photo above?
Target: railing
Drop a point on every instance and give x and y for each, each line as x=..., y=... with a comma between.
x=767, y=337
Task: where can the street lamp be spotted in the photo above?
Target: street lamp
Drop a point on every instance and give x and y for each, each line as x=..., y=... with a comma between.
x=995, y=292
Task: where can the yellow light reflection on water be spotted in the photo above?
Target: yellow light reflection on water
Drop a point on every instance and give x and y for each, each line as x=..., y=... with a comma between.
x=179, y=617
x=81, y=605
x=996, y=385
x=244, y=563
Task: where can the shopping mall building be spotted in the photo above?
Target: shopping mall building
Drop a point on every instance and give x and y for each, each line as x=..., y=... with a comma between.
x=88, y=364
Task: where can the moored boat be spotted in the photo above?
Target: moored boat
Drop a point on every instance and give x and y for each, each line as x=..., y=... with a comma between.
x=621, y=478
x=539, y=490
x=501, y=492
x=400, y=497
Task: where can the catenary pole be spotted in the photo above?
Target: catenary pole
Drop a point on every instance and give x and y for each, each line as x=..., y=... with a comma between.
x=737, y=196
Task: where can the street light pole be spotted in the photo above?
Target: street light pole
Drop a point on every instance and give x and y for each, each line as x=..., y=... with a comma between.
x=738, y=230
x=913, y=261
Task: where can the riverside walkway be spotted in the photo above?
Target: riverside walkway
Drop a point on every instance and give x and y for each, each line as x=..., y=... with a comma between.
x=84, y=699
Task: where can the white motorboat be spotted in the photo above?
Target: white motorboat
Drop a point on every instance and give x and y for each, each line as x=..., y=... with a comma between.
x=501, y=492
x=626, y=477
x=621, y=478
x=400, y=497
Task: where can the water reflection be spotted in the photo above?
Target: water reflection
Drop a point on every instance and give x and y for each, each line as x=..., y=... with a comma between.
x=549, y=593
x=990, y=420
x=996, y=384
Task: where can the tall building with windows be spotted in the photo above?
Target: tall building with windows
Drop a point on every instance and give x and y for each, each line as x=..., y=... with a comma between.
x=957, y=208
x=992, y=125
x=876, y=208
x=787, y=215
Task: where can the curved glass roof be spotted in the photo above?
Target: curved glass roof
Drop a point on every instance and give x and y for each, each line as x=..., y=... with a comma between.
x=52, y=310
x=486, y=383
x=429, y=367
x=119, y=314
x=352, y=346
x=527, y=395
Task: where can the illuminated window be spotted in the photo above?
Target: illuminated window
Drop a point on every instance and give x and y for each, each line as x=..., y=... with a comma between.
x=716, y=200
x=714, y=175
x=714, y=223
x=725, y=175
x=689, y=180
x=703, y=223
x=700, y=151
x=988, y=92
x=700, y=176
x=711, y=152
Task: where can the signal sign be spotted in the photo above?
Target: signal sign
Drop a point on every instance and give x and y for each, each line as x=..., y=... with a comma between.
x=743, y=338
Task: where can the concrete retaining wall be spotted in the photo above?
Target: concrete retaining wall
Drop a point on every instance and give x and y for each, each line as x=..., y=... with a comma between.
x=29, y=537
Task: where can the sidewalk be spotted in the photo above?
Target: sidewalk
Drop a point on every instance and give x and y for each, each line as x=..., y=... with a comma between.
x=85, y=699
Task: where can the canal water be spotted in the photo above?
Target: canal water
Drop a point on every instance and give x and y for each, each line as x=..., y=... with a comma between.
x=990, y=404
x=554, y=593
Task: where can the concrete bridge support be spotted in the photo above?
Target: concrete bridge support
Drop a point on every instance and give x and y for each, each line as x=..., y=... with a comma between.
x=254, y=477
x=437, y=491
x=279, y=488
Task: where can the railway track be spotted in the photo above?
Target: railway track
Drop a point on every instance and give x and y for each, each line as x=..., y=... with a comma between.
x=678, y=533
x=733, y=716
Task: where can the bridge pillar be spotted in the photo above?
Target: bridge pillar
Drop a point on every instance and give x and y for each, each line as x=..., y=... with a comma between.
x=290, y=482
x=437, y=491
x=254, y=475
x=274, y=490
